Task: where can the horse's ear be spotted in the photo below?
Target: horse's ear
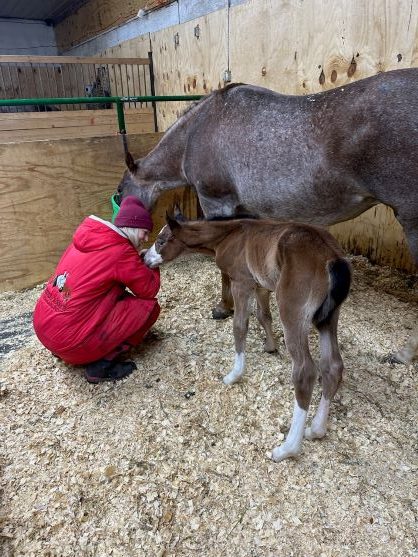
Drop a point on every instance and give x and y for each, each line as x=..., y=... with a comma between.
x=130, y=163
x=172, y=222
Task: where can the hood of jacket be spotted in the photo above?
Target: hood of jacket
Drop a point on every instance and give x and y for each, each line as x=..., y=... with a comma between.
x=95, y=234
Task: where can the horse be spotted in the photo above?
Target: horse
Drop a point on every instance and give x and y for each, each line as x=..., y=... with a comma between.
x=320, y=159
x=305, y=268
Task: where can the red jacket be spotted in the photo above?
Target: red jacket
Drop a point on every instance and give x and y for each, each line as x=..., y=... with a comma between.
x=84, y=311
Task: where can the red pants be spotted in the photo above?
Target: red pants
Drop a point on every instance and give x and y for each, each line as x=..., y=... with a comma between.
x=137, y=337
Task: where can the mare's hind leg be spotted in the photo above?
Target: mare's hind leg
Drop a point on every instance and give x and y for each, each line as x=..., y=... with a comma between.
x=264, y=317
x=332, y=367
x=225, y=307
x=241, y=293
x=410, y=351
x=296, y=337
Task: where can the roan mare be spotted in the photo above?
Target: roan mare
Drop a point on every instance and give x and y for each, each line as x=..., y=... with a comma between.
x=305, y=268
x=318, y=159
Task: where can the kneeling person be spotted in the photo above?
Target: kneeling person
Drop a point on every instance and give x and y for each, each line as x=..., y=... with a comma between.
x=85, y=315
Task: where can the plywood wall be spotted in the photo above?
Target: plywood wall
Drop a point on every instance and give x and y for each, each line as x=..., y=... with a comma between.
x=30, y=126
x=48, y=187
x=299, y=47
x=93, y=18
x=187, y=64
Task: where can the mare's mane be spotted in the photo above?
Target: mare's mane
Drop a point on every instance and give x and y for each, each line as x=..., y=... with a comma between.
x=221, y=91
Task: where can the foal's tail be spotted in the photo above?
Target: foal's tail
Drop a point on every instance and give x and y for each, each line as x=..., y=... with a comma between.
x=340, y=279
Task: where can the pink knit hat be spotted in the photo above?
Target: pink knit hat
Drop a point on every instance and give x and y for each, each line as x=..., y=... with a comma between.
x=133, y=214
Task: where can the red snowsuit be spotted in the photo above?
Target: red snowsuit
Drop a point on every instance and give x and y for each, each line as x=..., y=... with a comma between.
x=84, y=313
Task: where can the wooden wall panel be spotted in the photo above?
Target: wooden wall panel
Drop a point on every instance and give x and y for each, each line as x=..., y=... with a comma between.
x=377, y=235
x=48, y=187
x=32, y=126
x=194, y=66
x=93, y=18
x=299, y=47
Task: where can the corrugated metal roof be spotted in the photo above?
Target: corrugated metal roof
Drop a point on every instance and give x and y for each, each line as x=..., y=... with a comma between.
x=53, y=10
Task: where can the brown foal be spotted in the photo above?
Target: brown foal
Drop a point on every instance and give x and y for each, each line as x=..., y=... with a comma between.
x=304, y=266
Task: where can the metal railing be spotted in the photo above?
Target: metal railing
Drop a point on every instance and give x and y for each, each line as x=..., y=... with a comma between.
x=119, y=101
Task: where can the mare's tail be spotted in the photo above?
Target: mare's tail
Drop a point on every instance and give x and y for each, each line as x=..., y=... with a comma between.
x=340, y=279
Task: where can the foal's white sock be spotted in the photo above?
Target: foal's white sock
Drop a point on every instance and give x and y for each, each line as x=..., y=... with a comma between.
x=319, y=423
x=293, y=443
x=237, y=371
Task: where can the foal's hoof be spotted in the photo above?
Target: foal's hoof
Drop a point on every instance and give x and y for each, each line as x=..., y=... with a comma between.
x=282, y=452
x=312, y=433
x=221, y=313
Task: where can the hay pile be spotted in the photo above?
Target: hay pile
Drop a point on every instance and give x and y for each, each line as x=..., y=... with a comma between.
x=170, y=462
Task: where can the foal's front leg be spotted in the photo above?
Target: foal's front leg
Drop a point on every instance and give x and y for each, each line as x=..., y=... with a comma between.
x=264, y=317
x=241, y=295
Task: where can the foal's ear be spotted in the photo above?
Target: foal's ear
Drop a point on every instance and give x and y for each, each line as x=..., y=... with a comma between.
x=173, y=223
x=177, y=214
x=130, y=163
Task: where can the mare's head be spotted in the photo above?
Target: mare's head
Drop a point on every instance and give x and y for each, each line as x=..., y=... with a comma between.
x=136, y=181
x=166, y=246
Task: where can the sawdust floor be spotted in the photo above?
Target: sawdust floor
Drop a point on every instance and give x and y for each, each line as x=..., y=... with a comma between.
x=171, y=462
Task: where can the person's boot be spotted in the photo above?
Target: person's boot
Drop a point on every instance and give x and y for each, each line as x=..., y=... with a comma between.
x=108, y=370
x=119, y=370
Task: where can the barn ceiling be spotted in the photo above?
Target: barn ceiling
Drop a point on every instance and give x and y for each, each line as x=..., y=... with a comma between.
x=45, y=10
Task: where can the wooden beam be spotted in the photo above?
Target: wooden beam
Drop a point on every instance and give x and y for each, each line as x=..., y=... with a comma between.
x=22, y=59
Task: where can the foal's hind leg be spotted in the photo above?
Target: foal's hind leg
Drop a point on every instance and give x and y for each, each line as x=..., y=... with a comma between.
x=264, y=317
x=296, y=337
x=241, y=293
x=225, y=307
x=332, y=367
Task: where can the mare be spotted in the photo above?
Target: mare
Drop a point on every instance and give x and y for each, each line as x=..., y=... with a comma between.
x=319, y=159
x=305, y=268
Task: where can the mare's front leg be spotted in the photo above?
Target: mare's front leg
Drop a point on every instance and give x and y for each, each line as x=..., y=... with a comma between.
x=225, y=307
x=296, y=332
x=264, y=317
x=241, y=293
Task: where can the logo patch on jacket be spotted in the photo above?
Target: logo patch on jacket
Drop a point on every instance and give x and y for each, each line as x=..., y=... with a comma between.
x=59, y=281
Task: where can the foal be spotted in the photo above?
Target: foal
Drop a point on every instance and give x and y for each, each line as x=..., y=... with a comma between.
x=305, y=268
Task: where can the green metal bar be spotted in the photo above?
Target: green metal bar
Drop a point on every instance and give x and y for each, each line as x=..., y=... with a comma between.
x=121, y=117
x=102, y=100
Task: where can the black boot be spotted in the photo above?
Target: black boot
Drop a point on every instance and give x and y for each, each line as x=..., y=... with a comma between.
x=119, y=370
x=108, y=370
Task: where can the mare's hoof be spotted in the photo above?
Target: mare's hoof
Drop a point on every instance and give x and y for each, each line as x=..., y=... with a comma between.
x=393, y=359
x=220, y=313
